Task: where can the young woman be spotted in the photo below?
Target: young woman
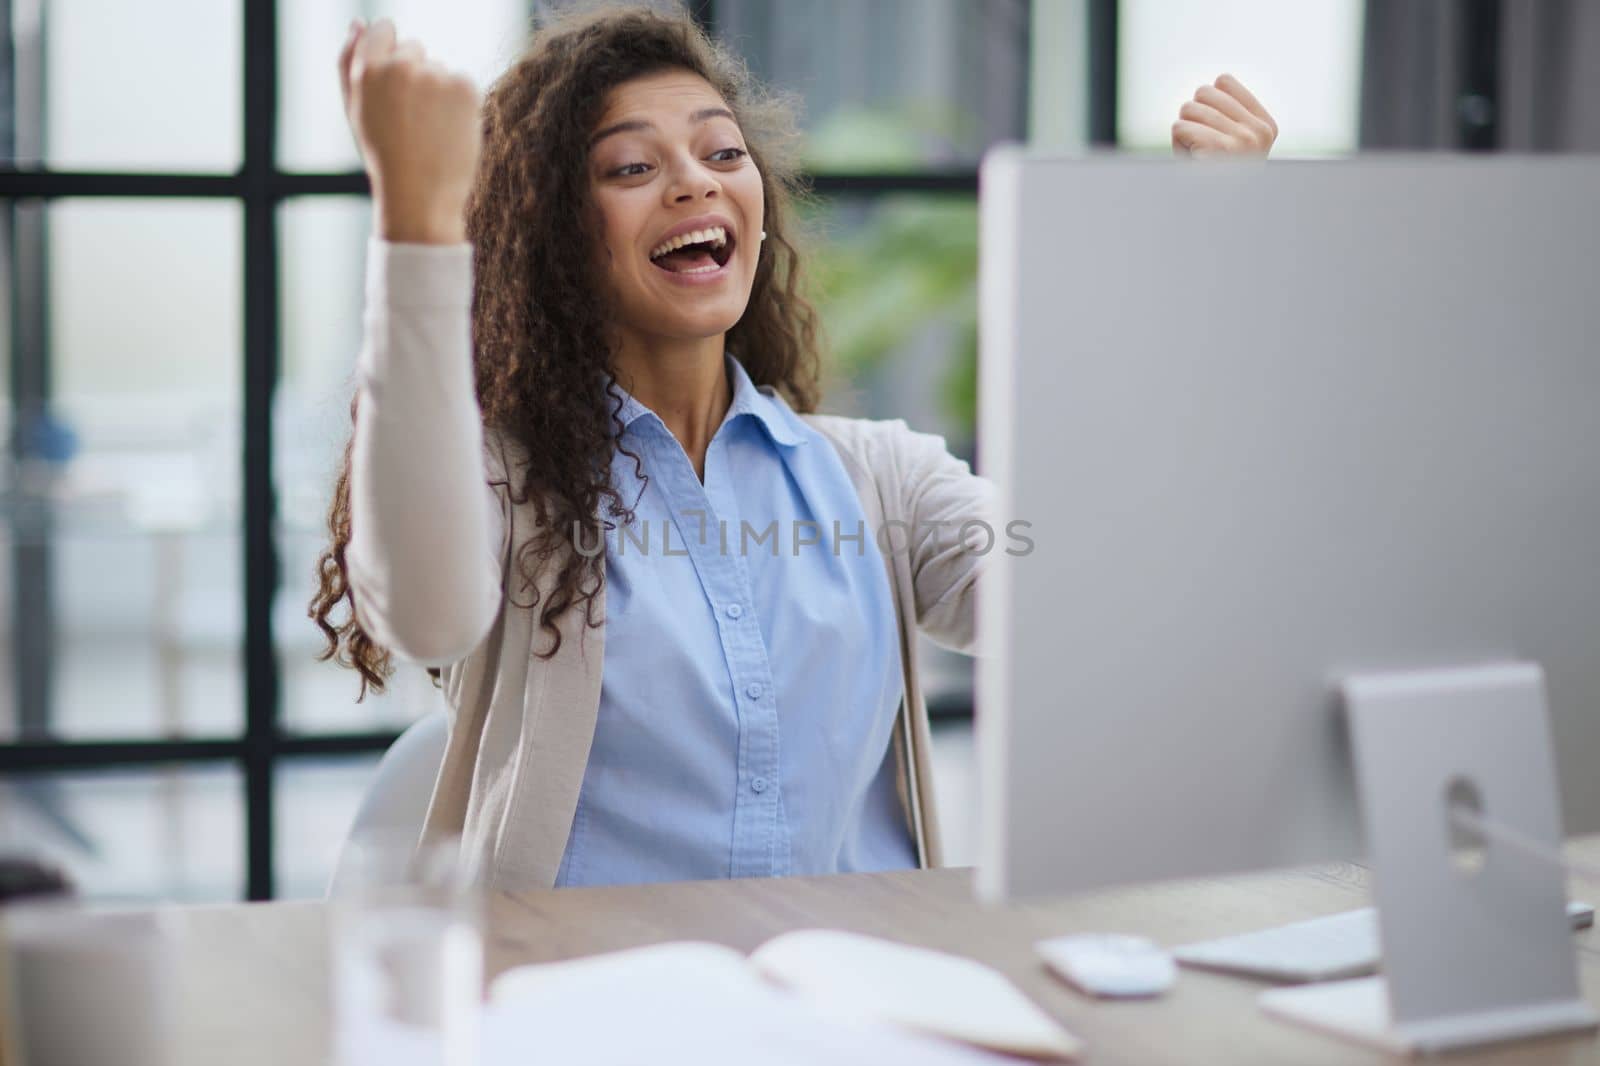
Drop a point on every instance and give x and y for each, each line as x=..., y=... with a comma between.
x=673, y=610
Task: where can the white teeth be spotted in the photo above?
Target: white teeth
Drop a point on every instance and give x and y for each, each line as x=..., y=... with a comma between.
x=715, y=235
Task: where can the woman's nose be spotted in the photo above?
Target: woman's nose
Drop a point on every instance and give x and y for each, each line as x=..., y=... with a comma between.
x=692, y=181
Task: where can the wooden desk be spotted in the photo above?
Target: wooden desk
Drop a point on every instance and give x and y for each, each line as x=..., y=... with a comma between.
x=257, y=992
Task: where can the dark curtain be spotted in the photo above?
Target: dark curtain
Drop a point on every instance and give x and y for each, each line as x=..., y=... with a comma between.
x=1522, y=75
x=1411, y=74
x=1550, y=76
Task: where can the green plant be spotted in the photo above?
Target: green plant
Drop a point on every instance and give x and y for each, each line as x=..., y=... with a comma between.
x=911, y=261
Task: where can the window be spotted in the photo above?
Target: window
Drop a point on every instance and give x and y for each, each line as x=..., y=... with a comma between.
x=479, y=37
x=153, y=86
x=135, y=834
x=1303, y=60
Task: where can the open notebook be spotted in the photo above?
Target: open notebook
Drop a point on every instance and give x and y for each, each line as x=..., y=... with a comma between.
x=834, y=983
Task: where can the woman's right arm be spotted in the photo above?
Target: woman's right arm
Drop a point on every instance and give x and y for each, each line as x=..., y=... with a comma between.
x=425, y=528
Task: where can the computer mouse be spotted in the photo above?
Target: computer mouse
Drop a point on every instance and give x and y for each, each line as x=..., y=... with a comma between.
x=1109, y=965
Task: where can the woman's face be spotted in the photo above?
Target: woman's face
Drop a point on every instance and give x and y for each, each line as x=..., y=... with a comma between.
x=668, y=165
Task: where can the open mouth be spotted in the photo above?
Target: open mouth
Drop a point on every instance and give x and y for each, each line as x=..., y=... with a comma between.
x=703, y=251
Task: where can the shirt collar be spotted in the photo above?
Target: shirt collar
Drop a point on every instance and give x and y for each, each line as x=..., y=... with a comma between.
x=764, y=405
x=632, y=410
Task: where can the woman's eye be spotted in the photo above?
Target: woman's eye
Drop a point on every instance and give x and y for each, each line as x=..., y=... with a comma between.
x=729, y=155
x=631, y=170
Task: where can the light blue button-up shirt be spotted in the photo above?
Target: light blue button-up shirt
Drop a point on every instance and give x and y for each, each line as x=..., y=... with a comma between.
x=752, y=671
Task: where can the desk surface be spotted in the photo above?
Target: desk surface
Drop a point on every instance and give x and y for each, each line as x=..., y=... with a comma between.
x=257, y=992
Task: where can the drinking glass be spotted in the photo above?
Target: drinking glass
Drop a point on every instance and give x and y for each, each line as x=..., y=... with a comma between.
x=406, y=954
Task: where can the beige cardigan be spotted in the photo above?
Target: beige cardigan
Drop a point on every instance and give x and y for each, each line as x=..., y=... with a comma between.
x=521, y=725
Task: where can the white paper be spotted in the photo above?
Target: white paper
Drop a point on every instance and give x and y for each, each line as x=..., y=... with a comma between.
x=685, y=1003
x=931, y=991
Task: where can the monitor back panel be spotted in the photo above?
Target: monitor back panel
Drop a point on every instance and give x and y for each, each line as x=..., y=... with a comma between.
x=1270, y=425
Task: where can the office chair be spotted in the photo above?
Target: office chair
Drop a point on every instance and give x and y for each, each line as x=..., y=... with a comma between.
x=397, y=800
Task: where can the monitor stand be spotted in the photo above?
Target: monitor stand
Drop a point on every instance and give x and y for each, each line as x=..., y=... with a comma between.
x=1476, y=944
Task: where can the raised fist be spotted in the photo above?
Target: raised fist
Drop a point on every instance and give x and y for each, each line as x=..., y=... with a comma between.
x=419, y=130
x=1223, y=118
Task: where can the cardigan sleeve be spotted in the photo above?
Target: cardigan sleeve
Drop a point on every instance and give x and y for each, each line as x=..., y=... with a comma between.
x=953, y=534
x=425, y=524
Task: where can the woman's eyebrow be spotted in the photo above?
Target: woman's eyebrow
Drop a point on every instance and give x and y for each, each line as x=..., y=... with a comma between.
x=637, y=125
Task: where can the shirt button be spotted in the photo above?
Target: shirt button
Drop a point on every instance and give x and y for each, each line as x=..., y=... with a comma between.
x=753, y=690
x=758, y=784
x=734, y=610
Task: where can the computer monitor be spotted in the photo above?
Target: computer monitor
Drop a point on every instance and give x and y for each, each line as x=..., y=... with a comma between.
x=1280, y=429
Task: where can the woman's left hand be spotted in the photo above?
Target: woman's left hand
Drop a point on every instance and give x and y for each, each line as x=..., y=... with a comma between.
x=1224, y=118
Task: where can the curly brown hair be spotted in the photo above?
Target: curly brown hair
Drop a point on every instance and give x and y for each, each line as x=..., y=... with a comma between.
x=540, y=321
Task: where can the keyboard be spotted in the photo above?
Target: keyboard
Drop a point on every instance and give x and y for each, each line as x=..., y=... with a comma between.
x=1320, y=949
